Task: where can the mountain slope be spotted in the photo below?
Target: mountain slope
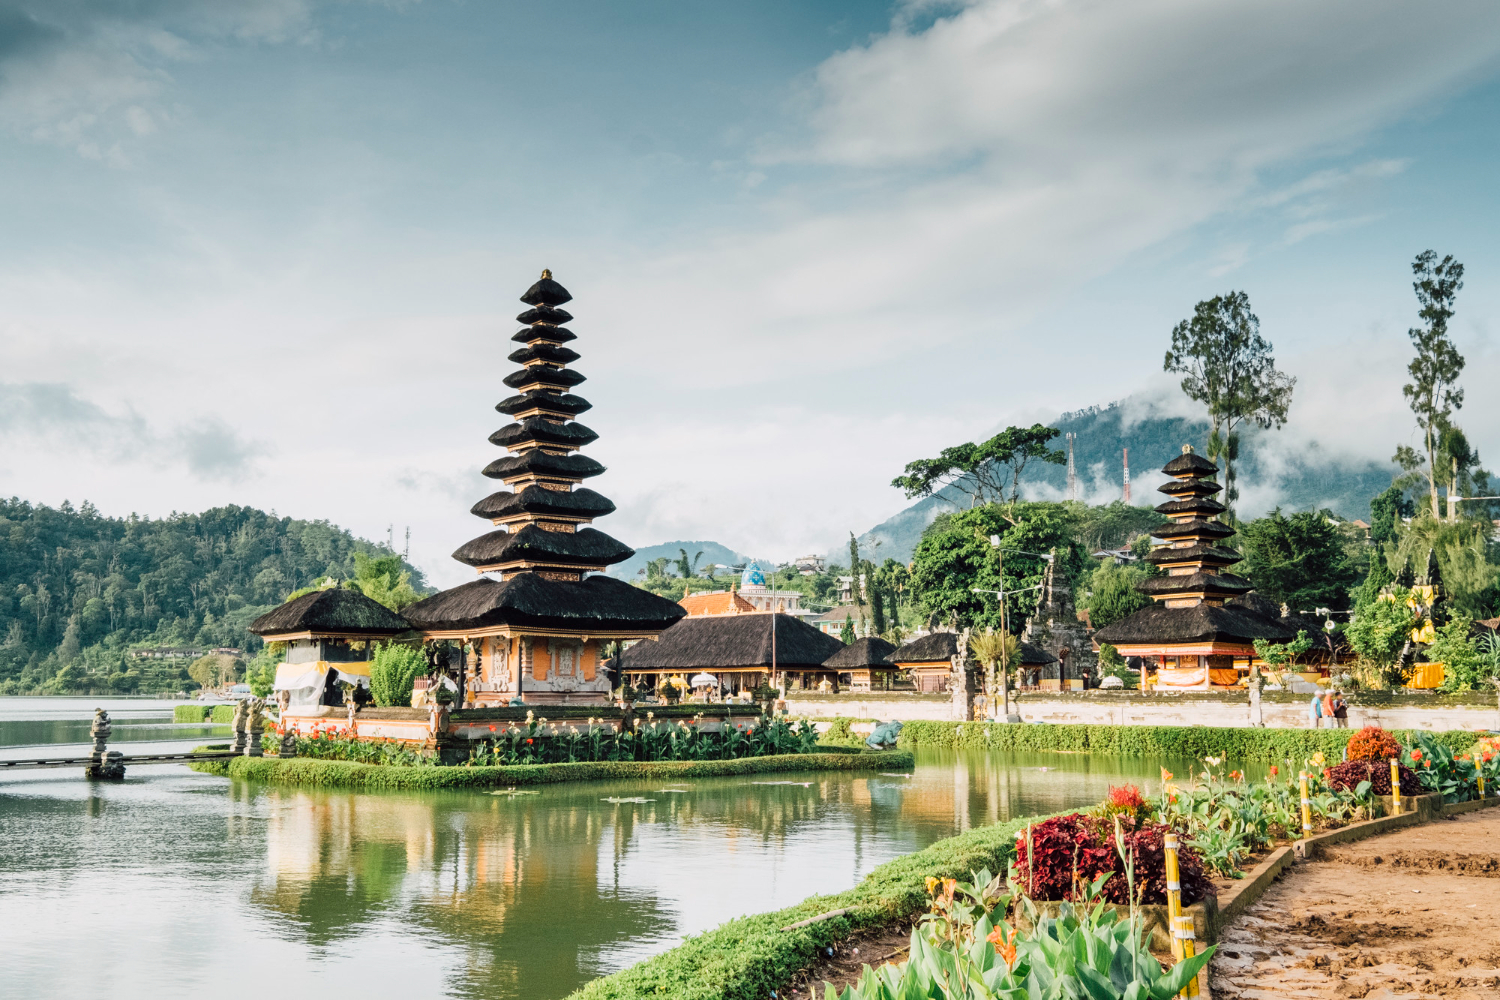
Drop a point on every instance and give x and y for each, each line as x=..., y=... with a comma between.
x=1270, y=471
x=713, y=552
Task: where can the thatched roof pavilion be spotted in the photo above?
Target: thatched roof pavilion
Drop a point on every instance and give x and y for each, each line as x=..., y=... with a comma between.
x=742, y=650
x=866, y=661
x=534, y=629
x=1197, y=630
x=329, y=637
x=929, y=659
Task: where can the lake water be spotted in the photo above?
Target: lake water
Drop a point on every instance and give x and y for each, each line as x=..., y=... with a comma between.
x=177, y=884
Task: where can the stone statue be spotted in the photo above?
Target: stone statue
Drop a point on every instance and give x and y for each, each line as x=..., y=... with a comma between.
x=103, y=762
x=471, y=675
x=255, y=709
x=288, y=746
x=884, y=736
x=240, y=724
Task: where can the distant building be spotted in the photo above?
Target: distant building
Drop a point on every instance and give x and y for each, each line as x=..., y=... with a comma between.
x=832, y=622
x=762, y=598
x=809, y=565
x=715, y=602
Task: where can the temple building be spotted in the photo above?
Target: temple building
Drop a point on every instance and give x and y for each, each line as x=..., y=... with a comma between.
x=1055, y=630
x=1196, y=636
x=867, y=663
x=534, y=625
x=330, y=637
x=742, y=651
x=929, y=661
x=763, y=598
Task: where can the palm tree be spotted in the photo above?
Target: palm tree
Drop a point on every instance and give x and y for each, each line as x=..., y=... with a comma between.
x=991, y=648
x=687, y=567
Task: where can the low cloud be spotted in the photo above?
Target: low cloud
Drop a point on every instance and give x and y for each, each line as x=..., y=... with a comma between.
x=52, y=413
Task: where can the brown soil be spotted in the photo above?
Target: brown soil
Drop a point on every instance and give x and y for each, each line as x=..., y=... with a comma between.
x=874, y=947
x=1394, y=917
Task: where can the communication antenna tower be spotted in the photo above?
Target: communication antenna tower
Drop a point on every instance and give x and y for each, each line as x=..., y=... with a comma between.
x=1127, y=475
x=406, y=552
x=1072, y=469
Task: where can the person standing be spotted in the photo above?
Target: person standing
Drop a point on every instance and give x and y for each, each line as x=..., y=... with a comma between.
x=1315, y=709
x=1340, y=710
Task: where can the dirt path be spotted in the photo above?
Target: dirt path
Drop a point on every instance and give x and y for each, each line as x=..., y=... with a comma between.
x=1414, y=914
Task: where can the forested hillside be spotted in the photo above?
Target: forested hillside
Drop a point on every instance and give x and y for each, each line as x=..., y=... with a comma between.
x=79, y=592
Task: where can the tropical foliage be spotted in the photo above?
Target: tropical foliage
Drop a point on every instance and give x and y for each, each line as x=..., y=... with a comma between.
x=393, y=673
x=1298, y=560
x=80, y=591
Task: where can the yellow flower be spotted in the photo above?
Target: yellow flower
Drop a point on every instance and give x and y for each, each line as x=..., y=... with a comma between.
x=932, y=885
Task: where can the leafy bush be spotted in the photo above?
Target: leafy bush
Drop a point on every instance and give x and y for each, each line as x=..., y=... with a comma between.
x=190, y=713
x=393, y=673
x=1349, y=775
x=1127, y=802
x=1074, y=850
x=1373, y=743
x=959, y=951
x=1455, y=776
x=222, y=714
x=538, y=741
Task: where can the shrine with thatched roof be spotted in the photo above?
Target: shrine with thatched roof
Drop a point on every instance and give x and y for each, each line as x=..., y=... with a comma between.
x=742, y=650
x=330, y=637
x=867, y=663
x=532, y=629
x=1196, y=635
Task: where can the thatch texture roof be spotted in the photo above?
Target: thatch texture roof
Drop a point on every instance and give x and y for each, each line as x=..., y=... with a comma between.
x=585, y=547
x=1195, y=527
x=1193, y=583
x=1189, y=487
x=1204, y=623
x=544, y=377
x=726, y=642
x=545, y=314
x=935, y=647
x=1035, y=656
x=555, y=402
x=532, y=334
x=546, y=292
x=335, y=611
x=1202, y=506
x=1192, y=553
x=862, y=654
x=1189, y=463
x=539, y=463
x=545, y=431
x=582, y=502
x=549, y=353
x=599, y=604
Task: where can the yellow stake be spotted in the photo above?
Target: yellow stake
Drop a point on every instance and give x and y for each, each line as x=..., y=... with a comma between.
x=1481, y=781
x=1179, y=924
x=1306, y=806
x=1395, y=787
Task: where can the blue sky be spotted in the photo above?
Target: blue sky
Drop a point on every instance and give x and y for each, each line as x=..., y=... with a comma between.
x=267, y=251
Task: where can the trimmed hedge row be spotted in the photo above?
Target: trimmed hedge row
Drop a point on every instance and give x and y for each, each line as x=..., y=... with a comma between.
x=749, y=957
x=203, y=713
x=317, y=773
x=1247, y=744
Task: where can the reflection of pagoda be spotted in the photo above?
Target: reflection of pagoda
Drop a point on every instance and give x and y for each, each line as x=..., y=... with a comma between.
x=1196, y=631
x=536, y=631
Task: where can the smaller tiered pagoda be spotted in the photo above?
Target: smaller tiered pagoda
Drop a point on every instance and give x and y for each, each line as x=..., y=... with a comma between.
x=1195, y=635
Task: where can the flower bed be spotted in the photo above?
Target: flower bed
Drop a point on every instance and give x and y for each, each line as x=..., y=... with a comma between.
x=1073, y=851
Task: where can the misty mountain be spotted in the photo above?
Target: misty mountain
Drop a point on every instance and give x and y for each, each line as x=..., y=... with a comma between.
x=1270, y=472
x=713, y=552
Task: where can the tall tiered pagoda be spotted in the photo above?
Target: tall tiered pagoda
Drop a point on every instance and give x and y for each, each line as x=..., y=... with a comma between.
x=1196, y=636
x=536, y=620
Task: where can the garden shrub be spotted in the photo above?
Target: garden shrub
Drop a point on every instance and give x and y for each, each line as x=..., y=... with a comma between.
x=1347, y=776
x=1239, y=744
x=222, y=714
x=348, y=774
x=393, y=673
x=1373, y=743
x=1074, y=850
x=190, y=713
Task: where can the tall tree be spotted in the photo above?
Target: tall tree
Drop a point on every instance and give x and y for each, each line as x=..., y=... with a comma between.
x=687, y=567
x=1433, y=393
x=856, y=592
x=1228, y=367
x=877, y=603
x=985, y=472
x=1387, y=511
x=1299, y=561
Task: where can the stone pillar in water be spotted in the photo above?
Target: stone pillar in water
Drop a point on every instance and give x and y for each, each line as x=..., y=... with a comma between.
x=103, y=762
x=256, y=712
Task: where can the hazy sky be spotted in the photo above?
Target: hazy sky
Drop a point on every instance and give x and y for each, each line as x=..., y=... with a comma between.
x=268, y=251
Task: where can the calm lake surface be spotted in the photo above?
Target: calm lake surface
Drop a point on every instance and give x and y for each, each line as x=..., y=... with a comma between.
x=176, y=884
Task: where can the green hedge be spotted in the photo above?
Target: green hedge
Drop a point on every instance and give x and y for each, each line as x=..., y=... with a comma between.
x=345, y=774
x=1247, y=744
x=203, y=713
x=747, y=958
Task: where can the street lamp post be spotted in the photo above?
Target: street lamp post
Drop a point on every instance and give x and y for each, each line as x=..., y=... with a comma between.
x=1010, y=716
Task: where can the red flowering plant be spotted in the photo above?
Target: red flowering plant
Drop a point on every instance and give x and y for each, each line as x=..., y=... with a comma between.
x=1073, y=851
x=1348, y=776
x=1455, y=776
x=1126, y=802
x=1373, y=743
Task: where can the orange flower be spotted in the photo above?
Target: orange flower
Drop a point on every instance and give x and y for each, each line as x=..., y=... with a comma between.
x=1416, y=754
x=1005, y=945
x=1166, y=775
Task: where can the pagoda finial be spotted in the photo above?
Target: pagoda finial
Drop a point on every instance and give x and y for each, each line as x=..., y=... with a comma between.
x=546, y=274
x=1187, y=449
